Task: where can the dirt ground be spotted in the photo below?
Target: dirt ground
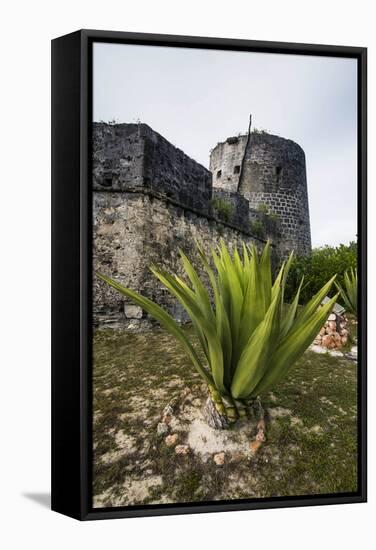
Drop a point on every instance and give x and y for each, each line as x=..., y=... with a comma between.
x=311, y=445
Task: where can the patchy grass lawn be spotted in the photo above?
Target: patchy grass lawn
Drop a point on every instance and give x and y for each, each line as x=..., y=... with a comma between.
x=312, y=434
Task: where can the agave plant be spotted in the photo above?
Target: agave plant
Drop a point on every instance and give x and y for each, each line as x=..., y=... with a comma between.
x=249, y=337
x=349, y=293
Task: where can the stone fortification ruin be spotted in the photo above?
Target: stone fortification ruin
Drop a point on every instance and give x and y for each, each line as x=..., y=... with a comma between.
x=150, y=199
x=270, y=172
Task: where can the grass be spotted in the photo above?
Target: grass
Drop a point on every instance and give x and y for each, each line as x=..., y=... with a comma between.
x=312, y=436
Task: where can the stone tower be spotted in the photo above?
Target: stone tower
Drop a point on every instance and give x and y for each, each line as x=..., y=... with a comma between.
x=270, y=172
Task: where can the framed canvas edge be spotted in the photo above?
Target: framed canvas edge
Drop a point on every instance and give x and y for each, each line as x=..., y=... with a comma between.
x=65, y=272
x=87, y=38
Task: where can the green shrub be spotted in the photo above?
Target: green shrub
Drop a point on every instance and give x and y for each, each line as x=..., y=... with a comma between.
x=263, y=208
x=319, y=267
x=224, y=208
x=257, y=229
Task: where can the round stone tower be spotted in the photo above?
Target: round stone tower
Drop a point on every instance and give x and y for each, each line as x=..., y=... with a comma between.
x=270, y=172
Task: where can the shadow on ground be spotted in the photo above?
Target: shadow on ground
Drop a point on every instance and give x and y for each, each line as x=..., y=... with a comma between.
x=43, y=499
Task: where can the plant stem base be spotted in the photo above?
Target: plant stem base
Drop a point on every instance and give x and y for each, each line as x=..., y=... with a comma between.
x=213, y=417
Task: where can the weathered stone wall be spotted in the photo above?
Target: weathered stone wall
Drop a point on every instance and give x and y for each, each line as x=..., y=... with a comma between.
x=270, y=228
x=225, y=162
x=273, y=176
x=133, y=231
x=286, y=207
x=238, y=211
x=150, y=199
x=133, y=157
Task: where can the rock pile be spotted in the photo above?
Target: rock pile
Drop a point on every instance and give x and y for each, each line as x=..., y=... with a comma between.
x=334, y=334
x=183, y=427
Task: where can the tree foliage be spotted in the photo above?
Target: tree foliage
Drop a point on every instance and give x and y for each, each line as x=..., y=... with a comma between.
x=318, y=268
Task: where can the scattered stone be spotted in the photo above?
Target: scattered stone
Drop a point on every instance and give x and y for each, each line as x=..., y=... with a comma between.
x=174, y=401
x=254, y=446
x=162, y=429
x=260, y=436
x=168, y=410
x=185, y=392
x=219, y=459
x=197, y=402
x=132, y=312
x=182, y=449
x=335, y=353
x=332, y=317
x=318, y=349
x=166, y=419
x=171, y=440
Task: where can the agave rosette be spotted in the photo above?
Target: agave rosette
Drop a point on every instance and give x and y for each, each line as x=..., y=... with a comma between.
x=349, y=293
x=248, y=336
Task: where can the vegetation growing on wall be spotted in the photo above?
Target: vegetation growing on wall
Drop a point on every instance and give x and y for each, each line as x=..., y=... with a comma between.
x=257, y=229
x=263, y=208
x=224, y=208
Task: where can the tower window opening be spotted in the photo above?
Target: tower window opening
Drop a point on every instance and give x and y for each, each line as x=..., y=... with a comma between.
x=278, y=172
x=237, y=169
x=219, y=174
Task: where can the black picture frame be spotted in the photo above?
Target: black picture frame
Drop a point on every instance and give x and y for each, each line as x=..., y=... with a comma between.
x=72, y=271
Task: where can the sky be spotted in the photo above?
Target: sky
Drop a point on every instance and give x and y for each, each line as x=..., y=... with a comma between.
x=196, y=98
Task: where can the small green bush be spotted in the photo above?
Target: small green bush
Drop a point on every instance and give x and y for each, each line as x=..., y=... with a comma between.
x=257, y=229
x=319, y=267
x=263, y=208
x=224, y=208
